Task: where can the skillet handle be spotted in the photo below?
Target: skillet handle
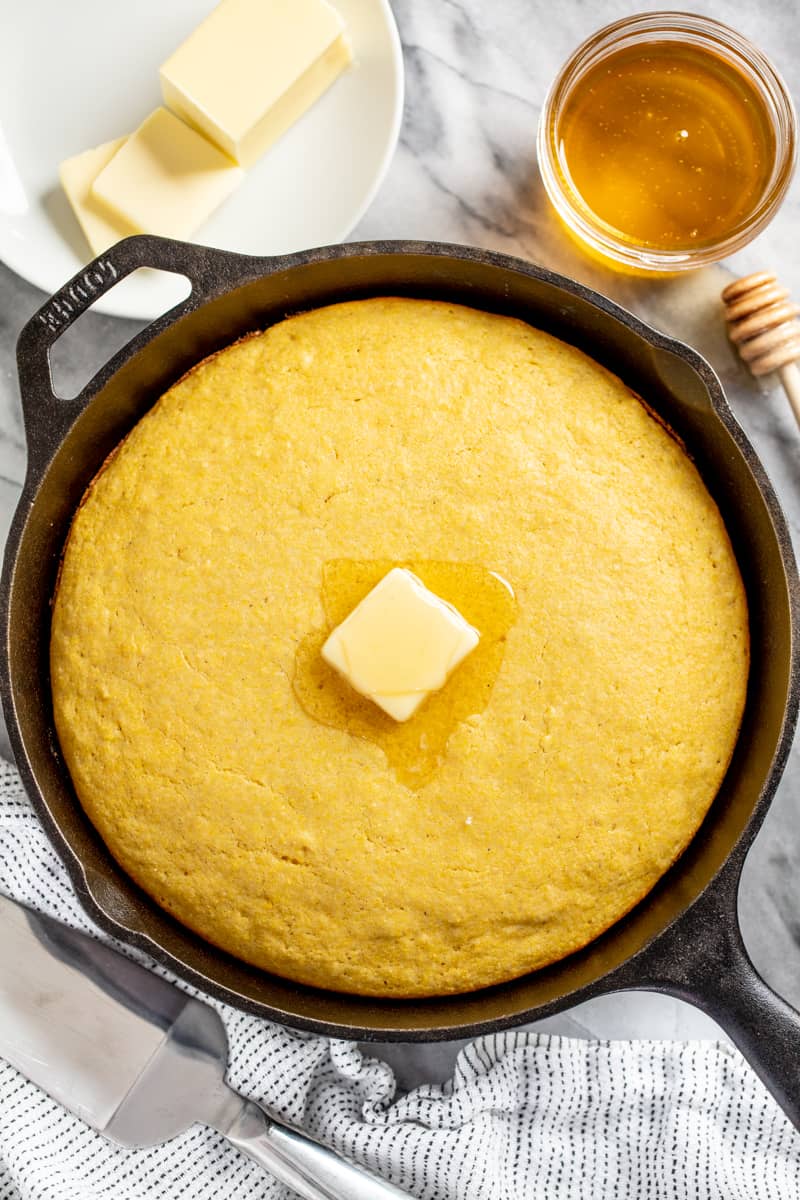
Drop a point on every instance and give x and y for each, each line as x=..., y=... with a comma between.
x=702, y=959
x=47, y=416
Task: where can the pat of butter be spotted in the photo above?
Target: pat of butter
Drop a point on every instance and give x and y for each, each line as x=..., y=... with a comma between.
x=166, y=179
x=252, y=68
x=77, y=174
x=400, y=644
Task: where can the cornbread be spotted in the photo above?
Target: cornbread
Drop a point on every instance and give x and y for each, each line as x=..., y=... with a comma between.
x=400, y=431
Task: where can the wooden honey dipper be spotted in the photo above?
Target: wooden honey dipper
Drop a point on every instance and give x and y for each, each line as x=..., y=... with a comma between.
x=763, y=325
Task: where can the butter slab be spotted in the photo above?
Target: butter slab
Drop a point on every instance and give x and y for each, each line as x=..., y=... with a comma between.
x=77, y=174
x=401, y=643
x=167, y=178
x=252, y=68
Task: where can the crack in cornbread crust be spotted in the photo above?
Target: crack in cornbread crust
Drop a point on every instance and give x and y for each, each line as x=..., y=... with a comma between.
x=395, y=428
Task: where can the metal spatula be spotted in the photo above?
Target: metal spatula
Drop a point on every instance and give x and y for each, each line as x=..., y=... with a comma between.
x=137, y=1059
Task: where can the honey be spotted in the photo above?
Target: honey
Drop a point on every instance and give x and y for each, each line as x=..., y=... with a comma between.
x=415, y=747
x=668, y=145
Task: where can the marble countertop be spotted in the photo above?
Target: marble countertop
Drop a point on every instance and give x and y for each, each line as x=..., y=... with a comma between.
x=465, y=171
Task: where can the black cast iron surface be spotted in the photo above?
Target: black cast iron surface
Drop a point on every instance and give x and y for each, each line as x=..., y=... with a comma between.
x=683, y=938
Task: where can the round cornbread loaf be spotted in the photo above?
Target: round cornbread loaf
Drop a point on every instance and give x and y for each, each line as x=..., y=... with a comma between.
x=397, y=429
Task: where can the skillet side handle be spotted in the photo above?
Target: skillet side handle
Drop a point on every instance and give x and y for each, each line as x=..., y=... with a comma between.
x=47, y=416
x=702, y=959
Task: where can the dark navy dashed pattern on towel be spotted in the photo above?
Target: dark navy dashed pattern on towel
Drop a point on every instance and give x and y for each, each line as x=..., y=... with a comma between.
x=525, y=1117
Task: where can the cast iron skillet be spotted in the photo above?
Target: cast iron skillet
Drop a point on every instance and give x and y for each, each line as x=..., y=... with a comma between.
x=684, y=937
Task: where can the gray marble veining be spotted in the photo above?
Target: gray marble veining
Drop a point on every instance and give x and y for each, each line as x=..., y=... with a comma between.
x=465, y=171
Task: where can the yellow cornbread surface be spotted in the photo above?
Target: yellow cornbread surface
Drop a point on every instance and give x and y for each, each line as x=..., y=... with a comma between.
x=404, y=430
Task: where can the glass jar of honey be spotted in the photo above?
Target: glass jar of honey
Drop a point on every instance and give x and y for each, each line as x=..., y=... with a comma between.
x=666, y=142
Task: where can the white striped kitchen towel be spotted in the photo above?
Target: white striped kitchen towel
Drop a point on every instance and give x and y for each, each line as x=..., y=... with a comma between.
x=525, y=1117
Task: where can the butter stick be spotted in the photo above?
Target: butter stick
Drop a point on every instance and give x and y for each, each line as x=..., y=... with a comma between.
x=77, y=174
x=166, y=178
x=252, y=68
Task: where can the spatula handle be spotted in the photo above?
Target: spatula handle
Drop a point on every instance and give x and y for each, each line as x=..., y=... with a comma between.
x=311, y=1170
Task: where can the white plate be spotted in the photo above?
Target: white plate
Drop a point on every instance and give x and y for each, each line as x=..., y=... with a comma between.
x=75, y=73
